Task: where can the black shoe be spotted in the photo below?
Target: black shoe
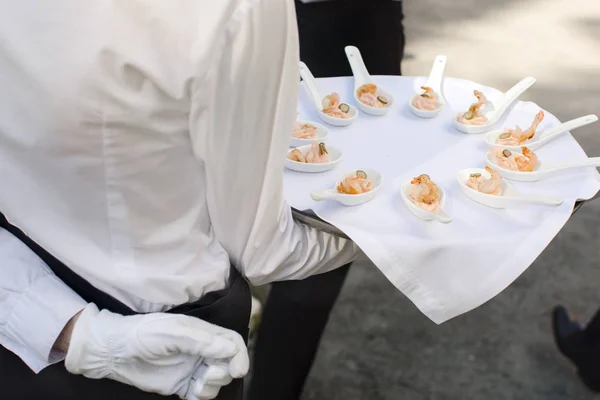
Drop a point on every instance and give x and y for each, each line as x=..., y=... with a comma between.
x=574, y=345
x=567, y=334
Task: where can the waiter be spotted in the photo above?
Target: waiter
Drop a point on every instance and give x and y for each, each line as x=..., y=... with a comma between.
x=296, y=312
x=141, y=156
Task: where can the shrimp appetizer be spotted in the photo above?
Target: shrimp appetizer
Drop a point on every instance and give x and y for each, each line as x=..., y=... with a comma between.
x=355, y=184
x=525, y=162
x=491, y=186
x=427, y=101
x=304, y=131
x=368, y=95
x=516, y=137
x=333, y=107
x=473, y=115
x=316, y=155
x=425, y=194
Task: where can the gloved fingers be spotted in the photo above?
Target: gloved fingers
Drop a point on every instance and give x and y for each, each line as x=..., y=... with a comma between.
x=191, y=337
x=207, y=381
x=239, y=364
x=208, y=392
x=218, y=375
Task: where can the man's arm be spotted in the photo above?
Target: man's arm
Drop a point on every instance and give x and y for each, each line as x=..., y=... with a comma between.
x=35, y=306
x=241, y=121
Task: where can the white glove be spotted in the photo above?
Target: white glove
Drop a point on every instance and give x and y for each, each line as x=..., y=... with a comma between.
x=160, y=353
x=209, y=379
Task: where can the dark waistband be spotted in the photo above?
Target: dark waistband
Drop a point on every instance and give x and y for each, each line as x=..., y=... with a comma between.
x=91, y=294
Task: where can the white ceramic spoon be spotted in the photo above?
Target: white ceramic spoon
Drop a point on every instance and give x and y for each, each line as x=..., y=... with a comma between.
x=509, y=198
x=320, y=136
x=542, y=170
x=350, y=199
x=313, y=91
x=542, y=137
x=435, y=83
x=494, y=110
x=440, y=214
x=362, y=77
x=335, y=156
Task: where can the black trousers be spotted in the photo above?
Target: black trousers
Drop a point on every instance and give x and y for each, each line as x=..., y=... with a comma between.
x=297, y=312
x=229, y=308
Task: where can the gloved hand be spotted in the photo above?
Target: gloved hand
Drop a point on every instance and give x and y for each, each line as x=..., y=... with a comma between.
x=161, y=353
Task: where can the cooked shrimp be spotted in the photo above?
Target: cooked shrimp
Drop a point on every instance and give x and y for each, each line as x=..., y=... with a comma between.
x=355, y=184
x=427, y=101
x=517, y=136
x=428, y=92
x=425, y=193
x=528, y=161
x=367, y=94
x=367, y=88
x=529, y=132
x=492, y=185
x=473, y=115
x=296, y=155
x=333, y=107
x=317, y=154
x=425, y=190
x=331, y=101
x=304, y=131
x=505, y=158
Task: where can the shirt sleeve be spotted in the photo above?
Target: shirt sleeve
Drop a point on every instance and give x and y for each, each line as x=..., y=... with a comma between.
x=35, y=305
x=242, y=116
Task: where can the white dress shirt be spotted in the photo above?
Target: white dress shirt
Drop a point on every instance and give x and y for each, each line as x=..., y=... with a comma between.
x=142, y=143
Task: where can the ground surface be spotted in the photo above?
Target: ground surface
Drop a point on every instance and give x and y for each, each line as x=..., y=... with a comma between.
x=503, y=350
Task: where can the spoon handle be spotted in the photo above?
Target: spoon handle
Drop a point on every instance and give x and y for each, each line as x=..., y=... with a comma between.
x=568, y=126
x=538, y=199
x=359, y=69
x=510, y=96
x=589, y=162
x=443, y=216
x=437, y=73
x=320, y=195
x=311, y=84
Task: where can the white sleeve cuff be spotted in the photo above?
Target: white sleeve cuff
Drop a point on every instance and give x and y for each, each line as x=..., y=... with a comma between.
x=37, y=319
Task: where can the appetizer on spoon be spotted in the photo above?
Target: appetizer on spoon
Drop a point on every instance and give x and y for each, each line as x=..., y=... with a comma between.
x=483, y=114
x=525, y=166
x=371, y=99
x=308, y=132
x=316, y=157
x=513, y=139
x=330, y=108
x=425, y=199
x=353, y=189
x=487, y=187
x=429, y=102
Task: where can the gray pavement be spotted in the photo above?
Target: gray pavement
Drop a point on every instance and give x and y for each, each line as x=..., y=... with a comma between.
x=377, y=344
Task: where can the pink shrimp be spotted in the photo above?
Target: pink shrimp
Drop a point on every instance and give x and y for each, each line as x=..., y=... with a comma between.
x=425, y=193
x=517, y=136
x=304, y=131
x=528, y=161
x=367, y=94
x=492, y=185
x=426, y=101
x=473, y=115
x=332, y=106
x=317, y=154
x=296, y=155
x=355, y=184
x=505, y=158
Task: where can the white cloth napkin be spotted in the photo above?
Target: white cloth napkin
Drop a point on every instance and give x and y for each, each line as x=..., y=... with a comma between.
x=445, y=270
